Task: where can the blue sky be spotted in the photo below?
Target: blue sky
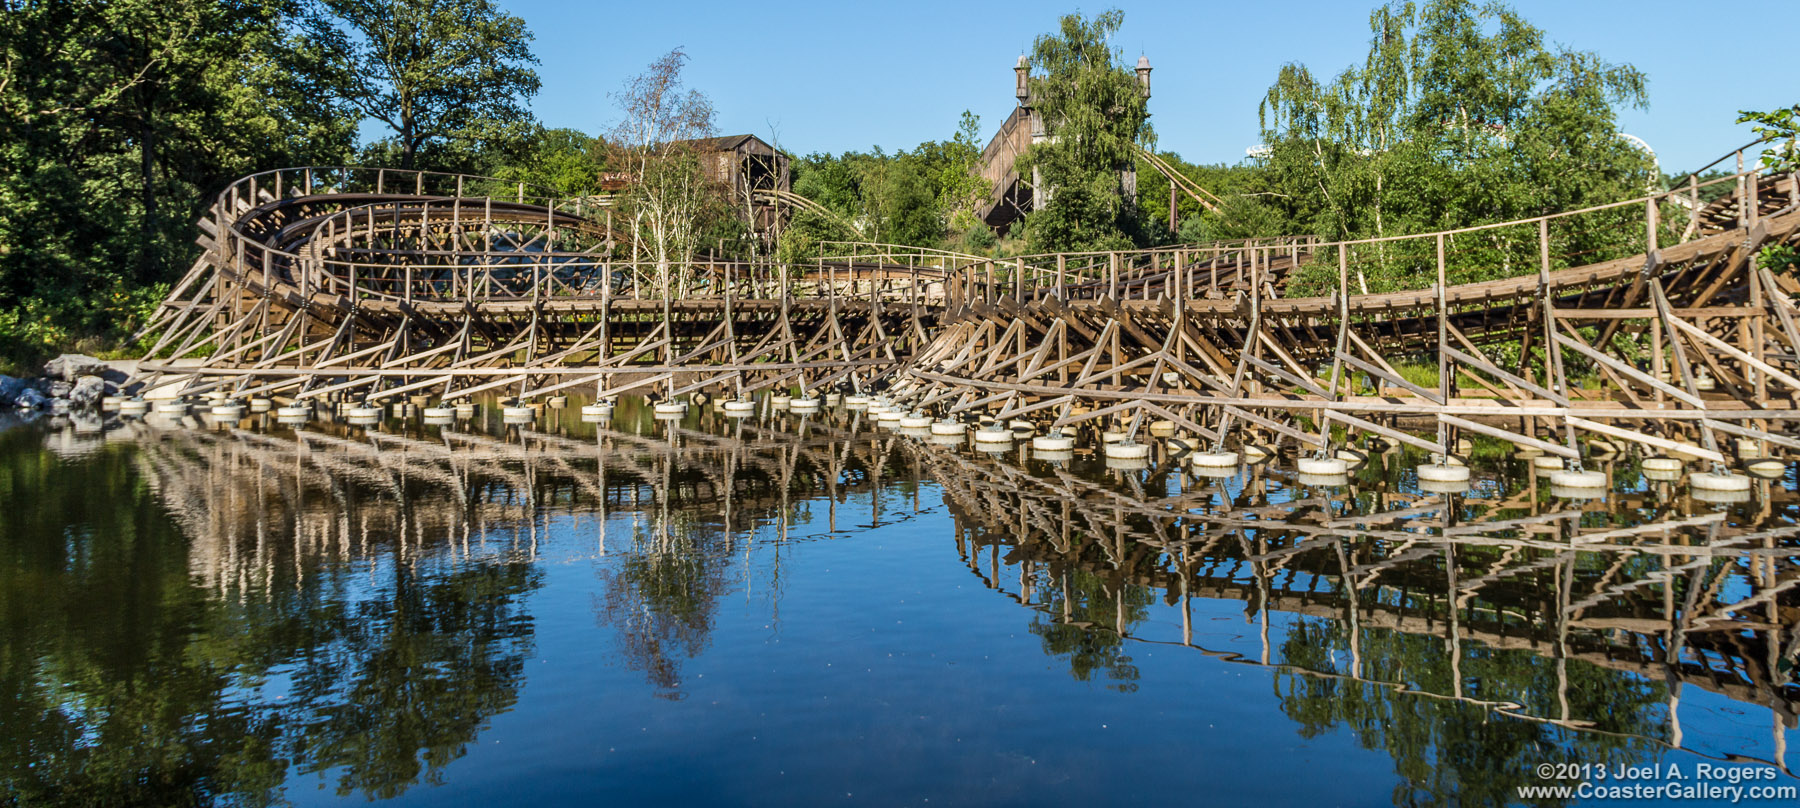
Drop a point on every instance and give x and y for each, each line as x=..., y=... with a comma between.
x=834, y=76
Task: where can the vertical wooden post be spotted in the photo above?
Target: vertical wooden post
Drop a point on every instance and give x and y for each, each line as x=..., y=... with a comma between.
x=1553, y=367
x=1657, y=363
x=1750, y=205
x=487, y=247
x=1743, y=207
x=1750, y=329
x=1443, y=332
x=1343, y=307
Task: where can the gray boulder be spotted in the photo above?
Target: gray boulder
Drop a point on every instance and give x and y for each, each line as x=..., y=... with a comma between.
x=60, y=388
x=87, y=391
x=70, y=367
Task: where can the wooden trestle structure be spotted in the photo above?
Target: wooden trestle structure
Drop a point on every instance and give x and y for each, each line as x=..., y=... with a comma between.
x=378, y=283
x=381, y=283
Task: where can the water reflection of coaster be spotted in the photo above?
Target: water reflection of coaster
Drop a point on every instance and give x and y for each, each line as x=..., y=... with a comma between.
x=1721, y=497
x=1323, y=480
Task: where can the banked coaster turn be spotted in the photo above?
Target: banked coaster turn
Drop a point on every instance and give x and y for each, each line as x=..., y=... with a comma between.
x=376, y=284
x=379, y=284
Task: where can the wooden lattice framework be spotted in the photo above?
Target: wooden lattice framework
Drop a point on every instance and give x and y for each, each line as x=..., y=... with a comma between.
x=376, y=283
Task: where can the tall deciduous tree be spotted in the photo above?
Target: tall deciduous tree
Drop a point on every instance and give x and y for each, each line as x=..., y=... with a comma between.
x=118, y=120
x=427, y=68
x=959, y=187
x=1096, y=116
x=671, y=196
x=1460, y=114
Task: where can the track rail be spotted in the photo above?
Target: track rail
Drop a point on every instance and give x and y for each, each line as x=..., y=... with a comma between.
x=378, y=283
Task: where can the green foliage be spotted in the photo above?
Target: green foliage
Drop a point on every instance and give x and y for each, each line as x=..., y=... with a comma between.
x=900, y=198
x=429, y=69
x=805, y=234
x=908, y=210
x=1780, y=257
x=1096, y=116
x=1782, y=128
x=1460, y=114
x=980, y=237
x=567, y=161
x=1081, y=216
x=117, y=122
x=1240, y=214
x=959, y=190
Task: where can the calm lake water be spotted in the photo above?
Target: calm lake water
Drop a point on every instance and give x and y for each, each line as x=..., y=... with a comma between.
x=798, y=611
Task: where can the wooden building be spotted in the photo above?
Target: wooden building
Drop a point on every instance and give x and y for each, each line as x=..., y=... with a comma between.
x=756, y=172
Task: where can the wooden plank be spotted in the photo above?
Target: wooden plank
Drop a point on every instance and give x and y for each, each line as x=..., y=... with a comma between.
x=1379, y=373
x=1647, y=440
x=1283, y=374
x=1629, y=371
x=1270, y=423
x=1752, y=434
x=1509, y=378
x=1732, y=351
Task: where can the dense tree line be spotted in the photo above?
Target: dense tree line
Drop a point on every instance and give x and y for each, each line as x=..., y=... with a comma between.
x=928, y=196
x=121, y=118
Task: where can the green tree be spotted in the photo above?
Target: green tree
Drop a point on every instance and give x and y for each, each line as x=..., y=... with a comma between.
x=567, y=161
x=671, y=198
x=428, y=69
x=1460, y=114
x=905, y=207
x=1780, y=128
x=117, y=122
x=951, y=166
x=1096, y=116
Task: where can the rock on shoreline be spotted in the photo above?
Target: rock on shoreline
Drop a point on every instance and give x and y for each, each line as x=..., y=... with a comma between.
x=70, y=381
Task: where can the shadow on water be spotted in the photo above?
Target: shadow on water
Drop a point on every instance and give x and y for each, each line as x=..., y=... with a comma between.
x=200, y=614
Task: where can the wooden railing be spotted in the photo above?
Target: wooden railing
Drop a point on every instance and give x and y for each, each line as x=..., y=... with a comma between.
x=868, y=271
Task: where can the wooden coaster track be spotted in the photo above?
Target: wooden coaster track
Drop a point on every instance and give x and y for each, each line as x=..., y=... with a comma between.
x=375, y=284
x=1681, y=341
x=317, y=282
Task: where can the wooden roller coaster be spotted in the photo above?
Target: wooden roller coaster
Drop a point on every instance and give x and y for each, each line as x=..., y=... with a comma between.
x=1647, y=321
x=380, y=283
